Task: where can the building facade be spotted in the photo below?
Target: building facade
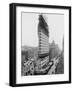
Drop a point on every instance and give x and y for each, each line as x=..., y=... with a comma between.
x=43, y=35
x=43, y=51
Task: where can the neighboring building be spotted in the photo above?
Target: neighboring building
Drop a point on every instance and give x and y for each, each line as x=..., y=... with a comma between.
x=54, y=50
x=60, y=66
x=63, y=45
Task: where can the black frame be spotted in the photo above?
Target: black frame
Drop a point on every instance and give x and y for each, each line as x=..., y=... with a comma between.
x=12, y=64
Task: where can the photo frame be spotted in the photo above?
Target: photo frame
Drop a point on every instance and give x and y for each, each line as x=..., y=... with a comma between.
x=40, y=44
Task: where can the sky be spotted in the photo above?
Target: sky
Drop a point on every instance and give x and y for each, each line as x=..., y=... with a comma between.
x=30, y=28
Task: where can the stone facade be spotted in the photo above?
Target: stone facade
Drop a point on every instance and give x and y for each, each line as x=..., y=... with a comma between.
x=43, y=34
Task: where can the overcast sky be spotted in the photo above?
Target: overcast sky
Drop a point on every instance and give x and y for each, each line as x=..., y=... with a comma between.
x=30, y=28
